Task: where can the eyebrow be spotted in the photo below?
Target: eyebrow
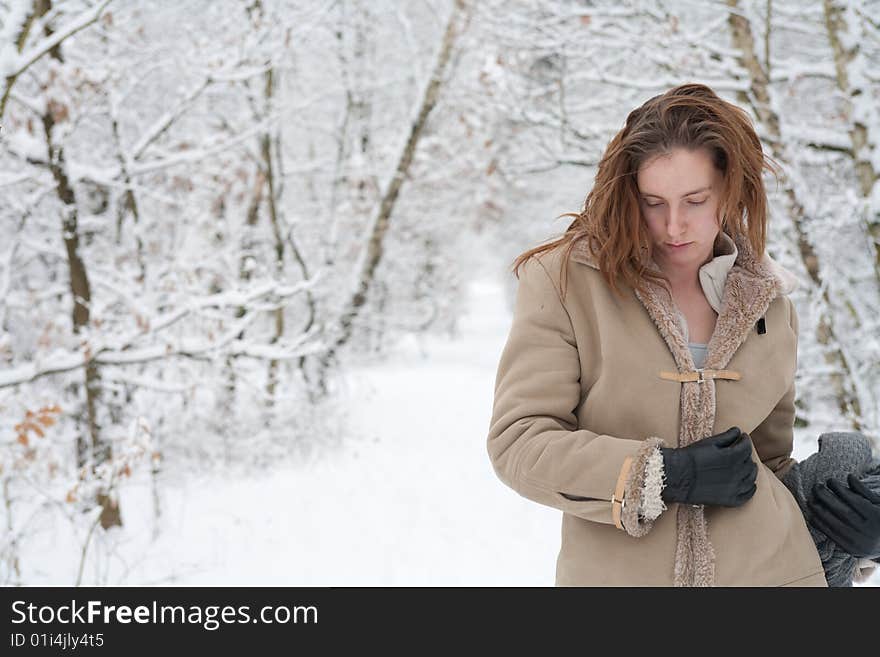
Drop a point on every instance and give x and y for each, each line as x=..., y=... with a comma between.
x=696, y=191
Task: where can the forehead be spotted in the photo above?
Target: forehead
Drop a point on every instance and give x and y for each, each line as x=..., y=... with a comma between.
x=677, y=173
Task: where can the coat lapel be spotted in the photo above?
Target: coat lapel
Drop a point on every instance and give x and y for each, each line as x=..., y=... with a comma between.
x=746, y=297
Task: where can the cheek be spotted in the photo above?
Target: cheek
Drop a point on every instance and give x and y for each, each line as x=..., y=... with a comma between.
x=706, y=219
x=653, y=220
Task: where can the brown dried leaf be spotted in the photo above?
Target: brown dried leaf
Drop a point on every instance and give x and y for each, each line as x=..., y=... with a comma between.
x=58, y=110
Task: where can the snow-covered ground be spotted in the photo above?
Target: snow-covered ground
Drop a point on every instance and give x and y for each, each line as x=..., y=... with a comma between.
x=411, y=499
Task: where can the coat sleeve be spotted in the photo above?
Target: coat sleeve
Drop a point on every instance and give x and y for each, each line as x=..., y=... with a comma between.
x=534, y=442
x=774, y=437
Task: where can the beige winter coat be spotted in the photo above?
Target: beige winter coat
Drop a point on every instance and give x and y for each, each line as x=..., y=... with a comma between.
x=586, y=391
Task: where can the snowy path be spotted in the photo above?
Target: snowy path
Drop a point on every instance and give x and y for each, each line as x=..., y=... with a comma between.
x=413, y=502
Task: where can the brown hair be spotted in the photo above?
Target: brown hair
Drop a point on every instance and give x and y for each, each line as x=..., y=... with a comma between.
x=689, y=116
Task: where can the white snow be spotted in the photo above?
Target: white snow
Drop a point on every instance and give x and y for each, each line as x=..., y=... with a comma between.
x=410, y=500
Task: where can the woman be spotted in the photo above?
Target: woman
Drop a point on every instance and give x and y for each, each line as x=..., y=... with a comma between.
x=646, y=388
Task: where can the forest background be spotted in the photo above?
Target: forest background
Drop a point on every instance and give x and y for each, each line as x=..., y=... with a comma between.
x=255, y=263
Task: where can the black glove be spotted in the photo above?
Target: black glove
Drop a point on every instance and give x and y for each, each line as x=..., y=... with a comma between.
x=716, y=470
x=848, y=516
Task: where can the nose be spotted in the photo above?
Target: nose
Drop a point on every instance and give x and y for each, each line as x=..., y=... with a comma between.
x=675, y=226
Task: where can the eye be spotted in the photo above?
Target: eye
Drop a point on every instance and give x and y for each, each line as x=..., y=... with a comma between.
x=697, y=202
x=653, y=205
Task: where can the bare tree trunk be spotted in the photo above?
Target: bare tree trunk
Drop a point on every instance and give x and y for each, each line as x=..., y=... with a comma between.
x=355, y=122
x=381, y=223
x=92, y=449
x=295, y=252
x=12, y=556
x=155, y=469
x=40, y=9
x=759, y=99
x=271, y=198
x=128, y=206
x=768, y=30
x=858, y=131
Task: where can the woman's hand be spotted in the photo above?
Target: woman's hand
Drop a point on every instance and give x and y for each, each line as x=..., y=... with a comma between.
x=848, y=516
x=717, y=470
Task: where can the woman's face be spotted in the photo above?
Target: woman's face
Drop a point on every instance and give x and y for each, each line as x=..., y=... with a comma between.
x=679, y=194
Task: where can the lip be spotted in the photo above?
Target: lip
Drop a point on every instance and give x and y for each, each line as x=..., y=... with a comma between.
x=678, y=246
